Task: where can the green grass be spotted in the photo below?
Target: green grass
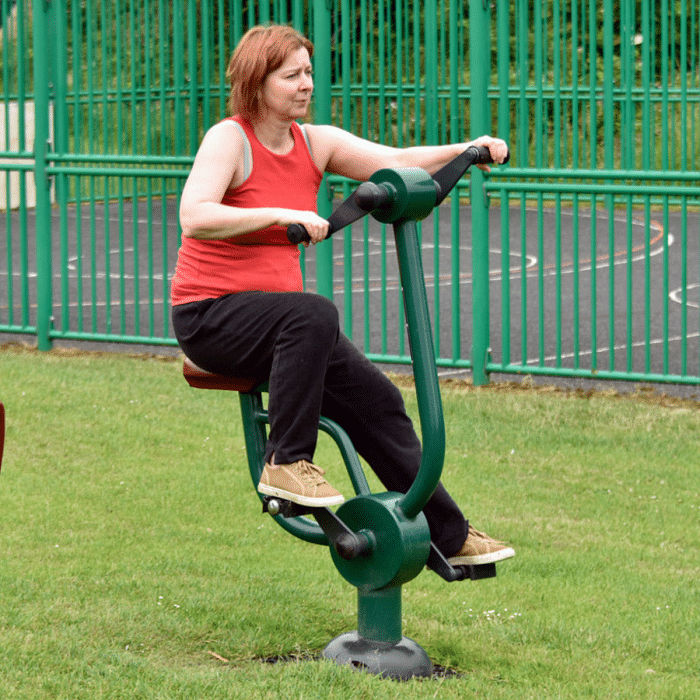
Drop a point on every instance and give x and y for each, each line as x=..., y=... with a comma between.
x=134, y=561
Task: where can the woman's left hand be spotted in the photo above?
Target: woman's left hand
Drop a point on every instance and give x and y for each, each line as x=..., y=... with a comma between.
x=498, y=149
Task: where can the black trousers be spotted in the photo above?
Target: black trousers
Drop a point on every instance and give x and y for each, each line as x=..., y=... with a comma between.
x=294, y=340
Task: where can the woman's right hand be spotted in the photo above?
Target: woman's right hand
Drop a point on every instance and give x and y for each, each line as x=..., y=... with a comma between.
x=316, y=226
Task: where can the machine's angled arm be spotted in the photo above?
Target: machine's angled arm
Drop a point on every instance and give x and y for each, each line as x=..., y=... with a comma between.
x=439, y=564
x=449, y=175
x=364, y=199
x=370, y=196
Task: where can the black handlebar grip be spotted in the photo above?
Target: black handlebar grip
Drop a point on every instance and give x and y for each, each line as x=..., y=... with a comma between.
x=366, y=198
x=296, y=233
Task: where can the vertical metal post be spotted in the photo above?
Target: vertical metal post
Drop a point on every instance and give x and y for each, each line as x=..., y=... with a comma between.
x=456, y=119
x=609, y=142
x=345, y=80
x=432, y=421
x=379, y=614
x=178, y=58
x=431, y=77
x=504, y=58
x=193, y=68
x=322, y=109
x=432, y=136
x=41, y=9
x=479, y=68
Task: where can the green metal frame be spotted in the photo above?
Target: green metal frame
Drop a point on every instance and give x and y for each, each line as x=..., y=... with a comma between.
x=393, y=524
x=254, y=418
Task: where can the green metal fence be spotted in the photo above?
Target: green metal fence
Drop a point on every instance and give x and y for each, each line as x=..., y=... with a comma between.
x=580, y=258
x=601, y=207
x=16, y=167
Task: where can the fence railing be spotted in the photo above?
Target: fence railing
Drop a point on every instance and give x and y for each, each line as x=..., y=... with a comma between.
x=580, y=258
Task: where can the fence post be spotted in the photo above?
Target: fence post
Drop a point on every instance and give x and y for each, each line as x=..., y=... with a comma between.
x=322, y=109
x=41, y=11
x=479, y=68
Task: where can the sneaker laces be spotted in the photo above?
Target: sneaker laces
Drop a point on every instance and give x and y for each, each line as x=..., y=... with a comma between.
x=309, y=473
x=473, y=532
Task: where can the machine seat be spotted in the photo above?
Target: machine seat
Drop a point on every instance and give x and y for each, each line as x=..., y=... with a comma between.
x=201, y=379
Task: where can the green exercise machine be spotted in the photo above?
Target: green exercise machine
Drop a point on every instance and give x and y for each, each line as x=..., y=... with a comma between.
x=377, y=541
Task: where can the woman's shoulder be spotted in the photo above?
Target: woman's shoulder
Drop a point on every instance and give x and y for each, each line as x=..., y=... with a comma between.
x=324, y=132
x=226, y=128
x=323, y=140
x=225, y=136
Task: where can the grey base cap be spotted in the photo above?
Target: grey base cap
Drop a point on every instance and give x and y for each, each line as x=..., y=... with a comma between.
x=403, y=660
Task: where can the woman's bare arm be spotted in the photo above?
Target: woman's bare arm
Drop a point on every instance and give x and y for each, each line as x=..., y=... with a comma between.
x=216, y=168
x=343, y=153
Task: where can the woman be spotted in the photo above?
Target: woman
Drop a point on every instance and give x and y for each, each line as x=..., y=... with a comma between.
x=238, y=301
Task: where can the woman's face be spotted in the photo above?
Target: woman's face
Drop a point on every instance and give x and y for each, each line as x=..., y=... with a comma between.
x=286, y=91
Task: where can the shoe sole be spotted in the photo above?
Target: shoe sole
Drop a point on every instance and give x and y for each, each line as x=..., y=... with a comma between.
x=477, y=559
x=302, y=500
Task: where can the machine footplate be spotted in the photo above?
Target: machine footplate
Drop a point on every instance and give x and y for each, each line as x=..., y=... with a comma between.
x=287, y=509
x=439, y=564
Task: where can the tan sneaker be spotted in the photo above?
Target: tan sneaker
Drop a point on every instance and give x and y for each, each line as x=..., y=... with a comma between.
x=479, y=548
x=299, y=482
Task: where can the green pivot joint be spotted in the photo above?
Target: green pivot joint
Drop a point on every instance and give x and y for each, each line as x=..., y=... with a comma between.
x=410, y=194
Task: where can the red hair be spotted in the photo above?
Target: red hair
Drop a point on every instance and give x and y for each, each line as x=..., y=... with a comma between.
x=261, y=50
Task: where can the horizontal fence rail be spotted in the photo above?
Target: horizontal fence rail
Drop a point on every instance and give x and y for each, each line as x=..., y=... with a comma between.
x=579, y=259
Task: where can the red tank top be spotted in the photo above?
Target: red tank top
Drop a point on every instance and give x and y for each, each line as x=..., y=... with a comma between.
x=263, y=260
